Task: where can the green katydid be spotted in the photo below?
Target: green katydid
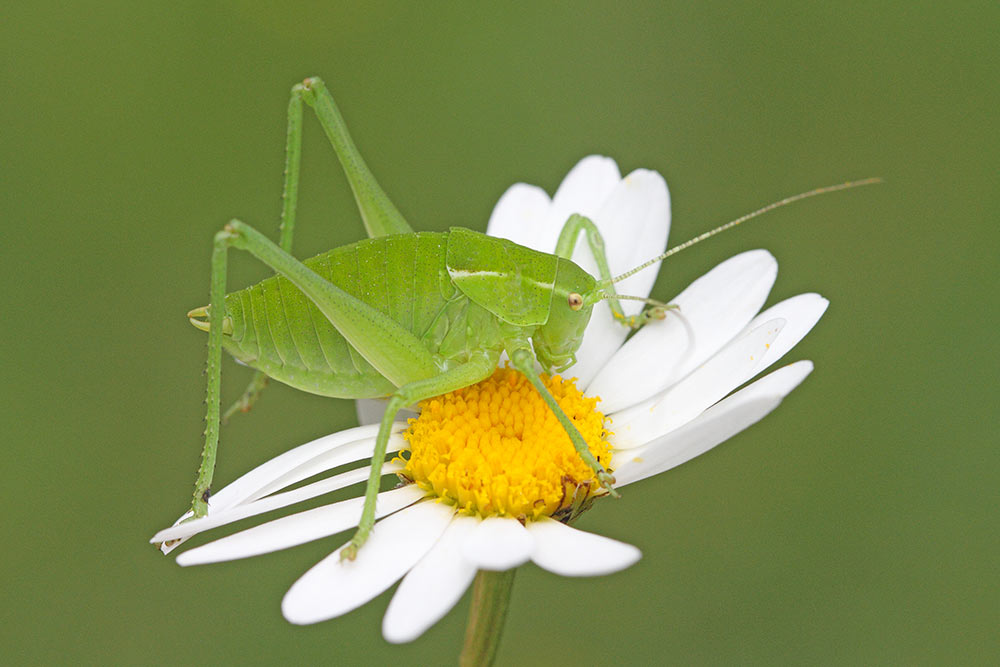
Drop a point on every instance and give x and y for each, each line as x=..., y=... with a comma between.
x=405, y=315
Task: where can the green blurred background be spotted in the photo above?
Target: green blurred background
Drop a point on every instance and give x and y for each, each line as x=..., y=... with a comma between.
x=858, y=524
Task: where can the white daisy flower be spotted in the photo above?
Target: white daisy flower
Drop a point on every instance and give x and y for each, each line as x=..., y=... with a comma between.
x=665, y=397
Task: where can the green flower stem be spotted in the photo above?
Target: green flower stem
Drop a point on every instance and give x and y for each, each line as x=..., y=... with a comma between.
x=490, y=598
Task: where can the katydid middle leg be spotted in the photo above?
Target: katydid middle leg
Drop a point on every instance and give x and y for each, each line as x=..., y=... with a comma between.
x=380, y=215
x=289, y=203
x=479, y=367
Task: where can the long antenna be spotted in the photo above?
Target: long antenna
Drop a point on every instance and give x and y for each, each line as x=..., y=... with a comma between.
x=744, y=218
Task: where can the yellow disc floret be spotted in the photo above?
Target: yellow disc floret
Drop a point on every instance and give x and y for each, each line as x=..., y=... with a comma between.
x=495, y=448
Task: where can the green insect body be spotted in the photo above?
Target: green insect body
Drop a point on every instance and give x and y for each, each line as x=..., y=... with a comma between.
x=460, y=292
x=404, y=315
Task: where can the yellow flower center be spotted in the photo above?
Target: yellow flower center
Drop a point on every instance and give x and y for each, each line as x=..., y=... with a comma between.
x=495, y=448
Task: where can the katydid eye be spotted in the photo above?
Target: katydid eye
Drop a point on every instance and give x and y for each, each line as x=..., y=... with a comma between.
x=575, y=301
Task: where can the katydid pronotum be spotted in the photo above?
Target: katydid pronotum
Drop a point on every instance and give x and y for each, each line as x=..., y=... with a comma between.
x=341, y=325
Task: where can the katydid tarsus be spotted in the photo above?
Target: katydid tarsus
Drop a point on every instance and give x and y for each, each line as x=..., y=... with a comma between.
x=404, y=315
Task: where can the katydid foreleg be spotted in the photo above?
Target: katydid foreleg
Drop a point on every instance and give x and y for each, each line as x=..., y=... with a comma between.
x=289, y=203
x=564, y=248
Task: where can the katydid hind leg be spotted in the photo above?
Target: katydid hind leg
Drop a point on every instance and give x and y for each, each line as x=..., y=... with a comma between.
x=249, y=397
x=396, y=353
x=523, y=360
x=380, y=215
x=477, y=368
x=289, y=205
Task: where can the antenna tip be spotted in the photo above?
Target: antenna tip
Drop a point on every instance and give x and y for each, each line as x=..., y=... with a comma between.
x=874, y=180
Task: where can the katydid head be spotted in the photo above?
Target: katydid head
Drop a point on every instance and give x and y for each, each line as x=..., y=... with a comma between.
x=557, y=341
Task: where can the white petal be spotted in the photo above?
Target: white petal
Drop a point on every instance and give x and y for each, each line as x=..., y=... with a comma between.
x=334, y=587
x=498, y=543
x=584, y=190
x=277, y=501
x=575, y=553
x=634, y=222
x=521, y=211
x=801, y=313
x=780, y=382
x=298, y=528
x=249, y=483
x=432, y=587
x=355, y=451
x=688, y=398
x=713, y=309
x=260, y=481
x=717, y=424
